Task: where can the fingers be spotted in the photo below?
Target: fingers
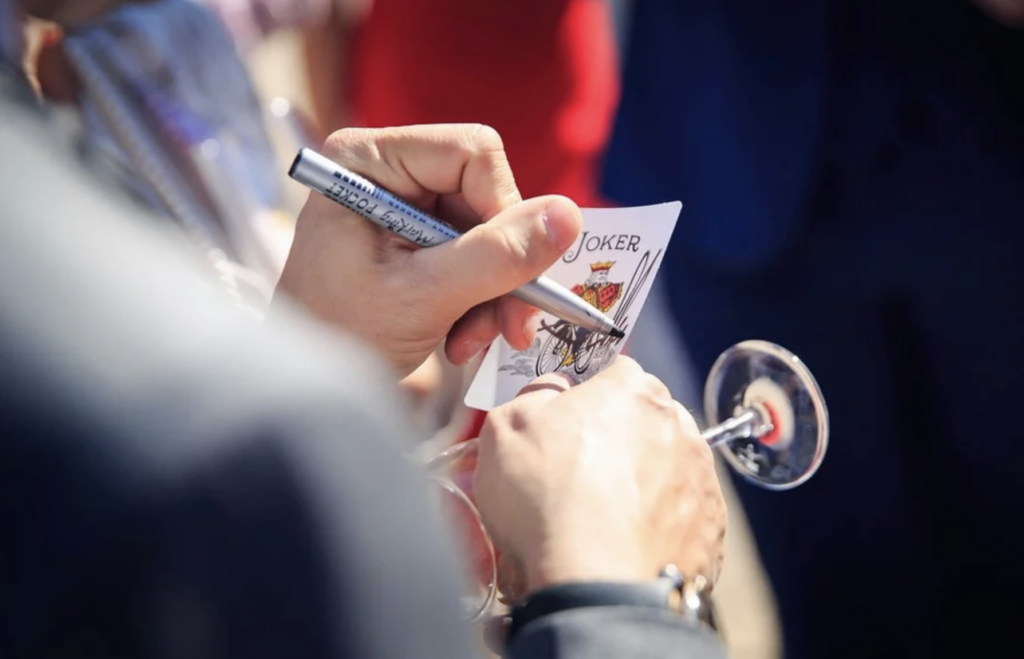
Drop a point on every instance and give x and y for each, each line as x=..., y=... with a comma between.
x=514, y=319
x=515, y=413
x=418, y=162
x=496, y=257
x=455, y=210
x=518, y=321
x=624, y=374
x=472, y=333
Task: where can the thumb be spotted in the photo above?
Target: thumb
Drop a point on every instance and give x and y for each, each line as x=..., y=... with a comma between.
x=498, y=256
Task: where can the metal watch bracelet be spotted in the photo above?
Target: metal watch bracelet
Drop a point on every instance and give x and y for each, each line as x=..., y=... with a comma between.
x=690, y=597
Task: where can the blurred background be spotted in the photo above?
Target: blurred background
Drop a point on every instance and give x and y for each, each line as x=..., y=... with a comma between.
x=852, y=175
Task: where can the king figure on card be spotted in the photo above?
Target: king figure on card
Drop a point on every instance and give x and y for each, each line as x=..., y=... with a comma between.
x=596, y=290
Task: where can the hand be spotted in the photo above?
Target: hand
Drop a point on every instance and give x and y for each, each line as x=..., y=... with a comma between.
x=406, y=301
x=606, y=481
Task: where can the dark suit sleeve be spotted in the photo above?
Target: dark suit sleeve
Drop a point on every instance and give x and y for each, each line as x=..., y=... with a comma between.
x=614, y=633
x=306, y=537
x=279, y=536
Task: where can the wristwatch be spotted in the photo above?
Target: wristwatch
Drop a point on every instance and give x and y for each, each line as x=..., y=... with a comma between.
x=671, y=590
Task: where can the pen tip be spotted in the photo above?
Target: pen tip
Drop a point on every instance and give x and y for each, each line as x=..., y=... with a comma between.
x=616, y=333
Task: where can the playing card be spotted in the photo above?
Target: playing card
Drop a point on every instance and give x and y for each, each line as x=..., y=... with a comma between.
x=612, y=266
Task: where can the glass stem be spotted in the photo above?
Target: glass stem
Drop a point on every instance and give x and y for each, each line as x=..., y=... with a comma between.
x=746, y=424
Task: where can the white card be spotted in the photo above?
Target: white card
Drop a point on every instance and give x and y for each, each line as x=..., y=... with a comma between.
x=612, y=265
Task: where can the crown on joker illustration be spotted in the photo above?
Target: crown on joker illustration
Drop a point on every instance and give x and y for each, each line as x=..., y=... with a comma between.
x=604, y=265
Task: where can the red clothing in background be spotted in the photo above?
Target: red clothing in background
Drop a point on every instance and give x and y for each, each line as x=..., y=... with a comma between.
x=542, y=72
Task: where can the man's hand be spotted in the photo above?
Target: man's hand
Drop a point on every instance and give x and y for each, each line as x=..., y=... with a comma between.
x=606, y=481
x=405, y=300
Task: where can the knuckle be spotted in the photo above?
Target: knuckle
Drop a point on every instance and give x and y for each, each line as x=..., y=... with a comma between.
x=627, y=364
x=622, y=371
x=688, y=423
x=518, y=418
x=483, y=138
x=654, y=391
x=353, y=145
x=504, y=420
x=346, y=138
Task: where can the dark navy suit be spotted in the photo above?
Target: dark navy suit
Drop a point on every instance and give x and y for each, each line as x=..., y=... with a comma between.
x=852, y=175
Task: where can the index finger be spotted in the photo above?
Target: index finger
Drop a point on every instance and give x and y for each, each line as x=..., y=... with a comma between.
x=420, y=162
x=551, y=384
x=538, y=392
x=623, y=374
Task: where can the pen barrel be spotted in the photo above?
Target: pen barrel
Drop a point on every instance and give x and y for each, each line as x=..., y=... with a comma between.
x=369, y=200
x=550, y=296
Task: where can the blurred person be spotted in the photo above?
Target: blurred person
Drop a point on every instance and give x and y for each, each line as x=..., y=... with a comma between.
x=326, y=26
x=251, y=21
x=852, y=176
x=173, y=480
x=181, y=127
x=151, y=109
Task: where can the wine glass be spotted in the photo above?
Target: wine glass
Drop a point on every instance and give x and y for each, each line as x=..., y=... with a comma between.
x=767, y=416
x=451, y=473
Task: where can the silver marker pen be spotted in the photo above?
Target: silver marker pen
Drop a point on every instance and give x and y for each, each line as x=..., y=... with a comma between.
x=381, y=207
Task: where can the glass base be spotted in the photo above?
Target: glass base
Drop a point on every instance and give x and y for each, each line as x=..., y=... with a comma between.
x=790, y=443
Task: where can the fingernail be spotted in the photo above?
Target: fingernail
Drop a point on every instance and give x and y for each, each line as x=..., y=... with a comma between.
x=562, y=221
